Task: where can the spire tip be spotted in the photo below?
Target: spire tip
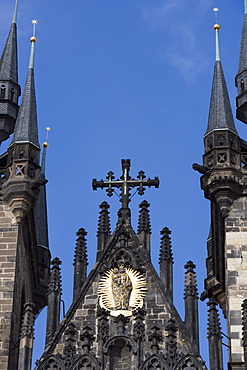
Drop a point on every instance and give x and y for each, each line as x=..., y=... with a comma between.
x=216, y=28
x=14, y=19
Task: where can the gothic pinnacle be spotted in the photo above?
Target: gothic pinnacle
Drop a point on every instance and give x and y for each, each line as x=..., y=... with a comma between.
x=144, y=218
x=40, y=209
x=191, y=303
x=166, y=262
x=104, y=220
x=165, y=248
x=144, y=227
x=80, y=262
x=214, y=336
x=104, y=228
x=53, y=300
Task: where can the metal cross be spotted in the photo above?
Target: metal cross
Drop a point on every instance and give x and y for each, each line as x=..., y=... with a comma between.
x=125, y=183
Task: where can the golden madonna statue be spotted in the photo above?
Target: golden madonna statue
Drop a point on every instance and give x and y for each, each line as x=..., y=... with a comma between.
x=121, y=290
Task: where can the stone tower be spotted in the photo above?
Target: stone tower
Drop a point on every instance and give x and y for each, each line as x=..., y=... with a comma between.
x=224, y=184
x=24, y=259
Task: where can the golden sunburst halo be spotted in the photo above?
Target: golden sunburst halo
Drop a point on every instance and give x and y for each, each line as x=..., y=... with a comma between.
x=106, y=296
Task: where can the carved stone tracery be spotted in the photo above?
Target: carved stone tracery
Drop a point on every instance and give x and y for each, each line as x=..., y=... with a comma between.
x=154, y=362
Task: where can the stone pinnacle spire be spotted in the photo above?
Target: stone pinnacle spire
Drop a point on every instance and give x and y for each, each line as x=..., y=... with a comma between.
x=26, y=129
x=191, y=303
x=166, y=262
x=144, y=226
x=214, y=336
x=80, y=262
x=40, y=209
x=53, y=297
x=220, y=112
x=104, y=228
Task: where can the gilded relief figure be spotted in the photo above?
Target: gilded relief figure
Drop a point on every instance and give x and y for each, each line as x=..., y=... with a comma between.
x=121, y=288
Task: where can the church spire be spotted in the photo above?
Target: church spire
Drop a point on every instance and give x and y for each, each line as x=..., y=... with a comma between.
x=9, y=88
x=221, y=140
x=8, y=62
x=220, y=112
x=24, y=151
x=241, y=78
x=26, y=129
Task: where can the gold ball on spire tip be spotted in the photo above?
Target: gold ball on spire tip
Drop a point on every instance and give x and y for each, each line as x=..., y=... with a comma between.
x=33, y=39
x=45, y=144
x=34, y=21
x=216, y=27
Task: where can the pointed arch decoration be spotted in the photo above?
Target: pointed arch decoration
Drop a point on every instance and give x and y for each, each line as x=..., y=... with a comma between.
x=155, y=362
x=122, y=257
x=85, y=362
x=189, y=363
x=51, y=362
x=120, y=350
x=113, y=341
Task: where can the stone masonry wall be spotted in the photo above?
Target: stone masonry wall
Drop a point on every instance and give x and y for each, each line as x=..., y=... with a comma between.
x=8, y=249
x=236, y=277
x=158, y=311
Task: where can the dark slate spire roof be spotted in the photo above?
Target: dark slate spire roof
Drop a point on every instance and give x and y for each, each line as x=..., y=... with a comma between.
x=220, y=112
x=26, y=129
x=8, y=62
x=40, y=209
x=243, y=47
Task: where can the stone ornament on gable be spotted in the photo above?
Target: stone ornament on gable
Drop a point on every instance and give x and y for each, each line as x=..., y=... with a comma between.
x=122, y=290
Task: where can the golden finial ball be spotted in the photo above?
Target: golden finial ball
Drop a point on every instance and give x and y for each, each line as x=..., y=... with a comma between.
x=33, y=39
x=45, y=144
x=216, y=27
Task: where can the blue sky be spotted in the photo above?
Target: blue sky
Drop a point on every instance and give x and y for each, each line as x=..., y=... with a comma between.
x=126, y=79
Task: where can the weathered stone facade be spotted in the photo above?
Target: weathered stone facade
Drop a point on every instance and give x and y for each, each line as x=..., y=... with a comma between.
x=236, y=260
x=152, y=335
